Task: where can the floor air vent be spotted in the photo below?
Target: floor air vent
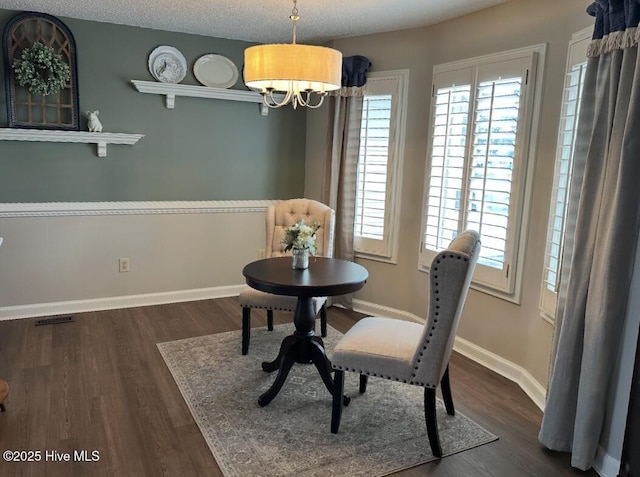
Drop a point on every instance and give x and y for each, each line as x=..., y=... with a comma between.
x=55, y=321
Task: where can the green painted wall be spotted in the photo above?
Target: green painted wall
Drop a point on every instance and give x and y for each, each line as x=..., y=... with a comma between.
x=203, y=149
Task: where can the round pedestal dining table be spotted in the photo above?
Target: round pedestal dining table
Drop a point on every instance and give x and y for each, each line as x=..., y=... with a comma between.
x=323, y=277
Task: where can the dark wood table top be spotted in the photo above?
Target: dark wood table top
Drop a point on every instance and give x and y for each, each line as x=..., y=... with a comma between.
x=324, y=277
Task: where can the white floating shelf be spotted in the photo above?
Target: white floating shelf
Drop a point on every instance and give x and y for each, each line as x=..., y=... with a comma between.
x=101, y=139
x=171, y=90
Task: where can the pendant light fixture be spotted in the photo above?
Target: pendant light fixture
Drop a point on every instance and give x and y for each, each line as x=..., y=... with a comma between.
x=297, y=71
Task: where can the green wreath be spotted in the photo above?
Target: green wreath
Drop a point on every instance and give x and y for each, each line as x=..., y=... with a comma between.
x=41, y=70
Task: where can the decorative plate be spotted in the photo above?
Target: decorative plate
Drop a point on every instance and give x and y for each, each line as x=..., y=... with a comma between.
x=215, y=71
x=167, y=64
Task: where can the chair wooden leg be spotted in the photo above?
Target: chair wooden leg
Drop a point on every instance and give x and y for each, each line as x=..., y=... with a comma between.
x=363, y=383
x=432, y=423
x=246, y=329
x=323, y=320
x=270, y=320
x=445, y=386
x=338, y=390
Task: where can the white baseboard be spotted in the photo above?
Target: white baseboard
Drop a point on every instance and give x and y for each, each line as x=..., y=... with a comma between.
x=513, y=372
x=605, y=465
x=379, y=310
x=112, y=303
x=536, y=391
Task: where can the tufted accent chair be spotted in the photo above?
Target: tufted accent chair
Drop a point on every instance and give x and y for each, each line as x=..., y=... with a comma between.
x=278, y=218
x=410, y=352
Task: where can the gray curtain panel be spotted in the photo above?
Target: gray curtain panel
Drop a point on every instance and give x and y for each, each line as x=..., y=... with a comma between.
x=601, y=237
x=340, y=176
x=341, y=162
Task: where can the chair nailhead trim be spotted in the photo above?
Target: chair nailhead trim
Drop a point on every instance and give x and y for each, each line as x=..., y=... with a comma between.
x=436, y=292
x=360, y=371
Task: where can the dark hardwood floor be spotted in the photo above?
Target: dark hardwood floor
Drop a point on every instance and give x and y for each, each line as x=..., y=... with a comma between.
x=100, y=384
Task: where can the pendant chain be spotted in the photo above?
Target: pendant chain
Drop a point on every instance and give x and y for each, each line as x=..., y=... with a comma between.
x=294, y=18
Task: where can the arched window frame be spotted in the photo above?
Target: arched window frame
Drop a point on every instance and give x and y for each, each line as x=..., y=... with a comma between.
x=27, y=110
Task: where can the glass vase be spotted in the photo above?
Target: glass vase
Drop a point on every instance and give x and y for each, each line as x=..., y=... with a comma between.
x=300, y=258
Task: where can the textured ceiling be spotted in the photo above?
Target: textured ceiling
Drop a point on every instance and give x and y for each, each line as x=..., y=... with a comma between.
x=260, y=20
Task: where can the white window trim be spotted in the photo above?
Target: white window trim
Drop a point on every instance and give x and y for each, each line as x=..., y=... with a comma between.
x=577, y=49
x=529, y=145
x=394, y=173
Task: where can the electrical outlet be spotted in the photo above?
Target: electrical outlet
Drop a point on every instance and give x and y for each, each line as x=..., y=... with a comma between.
x=262, y=253
x=123, y=265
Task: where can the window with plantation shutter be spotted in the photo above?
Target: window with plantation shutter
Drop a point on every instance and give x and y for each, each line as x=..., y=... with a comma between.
x=379, y=164
x=447, y=165
x=477, y=165
x=372, y=166
x=491, y=168
x=574, y=82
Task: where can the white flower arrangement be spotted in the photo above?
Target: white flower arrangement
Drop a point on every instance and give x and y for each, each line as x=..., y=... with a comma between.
x=41, y=70
x=301, y=236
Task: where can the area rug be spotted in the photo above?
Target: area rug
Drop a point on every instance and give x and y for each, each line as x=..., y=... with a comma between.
x=382, y=431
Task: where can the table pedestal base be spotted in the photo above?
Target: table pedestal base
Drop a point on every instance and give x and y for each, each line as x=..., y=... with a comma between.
x=297, y=348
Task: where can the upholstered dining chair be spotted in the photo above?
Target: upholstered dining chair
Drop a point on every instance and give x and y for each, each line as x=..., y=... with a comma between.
x=410, y=352
x=278, y=218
